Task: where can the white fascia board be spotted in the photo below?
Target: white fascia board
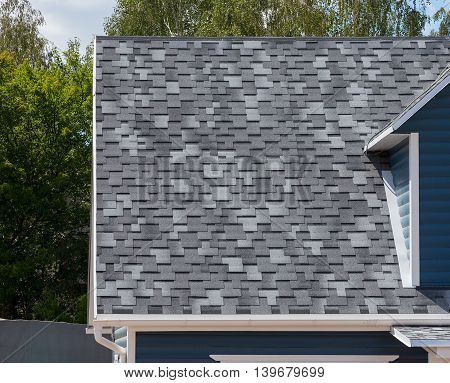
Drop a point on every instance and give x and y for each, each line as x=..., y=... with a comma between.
x=414, y=204
x=419, y=342
x=401, y=337
x=376, y=141
x=304, y=358
x=276, y=322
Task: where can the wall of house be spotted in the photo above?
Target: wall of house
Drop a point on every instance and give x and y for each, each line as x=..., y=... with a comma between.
x=177, y=347
x=432, y=123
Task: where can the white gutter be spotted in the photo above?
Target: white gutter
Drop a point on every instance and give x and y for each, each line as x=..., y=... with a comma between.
x=98, y=335
x=278, y=322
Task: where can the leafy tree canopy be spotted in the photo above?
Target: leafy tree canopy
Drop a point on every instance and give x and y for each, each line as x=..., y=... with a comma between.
x=443, y=16
x=19, y=31
x=268, y=18
x=45, y=161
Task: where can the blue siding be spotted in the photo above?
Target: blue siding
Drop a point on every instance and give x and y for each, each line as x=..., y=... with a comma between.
x=182, y=347
x=399, y=162
x=433, y=124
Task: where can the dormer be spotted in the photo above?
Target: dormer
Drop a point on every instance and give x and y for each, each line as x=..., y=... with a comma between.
x=417, y=185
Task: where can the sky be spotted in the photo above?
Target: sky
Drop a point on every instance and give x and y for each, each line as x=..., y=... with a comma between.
x=66, y=19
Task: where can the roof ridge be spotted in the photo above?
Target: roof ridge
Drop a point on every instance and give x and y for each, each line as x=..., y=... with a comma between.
x=279, y=38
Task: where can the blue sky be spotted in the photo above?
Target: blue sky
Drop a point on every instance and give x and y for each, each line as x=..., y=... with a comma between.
x=67, y=19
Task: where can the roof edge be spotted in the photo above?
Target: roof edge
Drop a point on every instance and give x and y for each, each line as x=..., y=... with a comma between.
x=425, y=342
x=381, y=140
x=278, y=38
x=275, y=322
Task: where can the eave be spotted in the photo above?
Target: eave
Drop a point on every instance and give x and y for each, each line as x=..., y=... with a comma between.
x=278, y=322
x=387, y=138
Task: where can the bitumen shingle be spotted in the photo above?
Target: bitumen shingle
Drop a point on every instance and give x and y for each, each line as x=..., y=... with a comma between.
x=232, y=179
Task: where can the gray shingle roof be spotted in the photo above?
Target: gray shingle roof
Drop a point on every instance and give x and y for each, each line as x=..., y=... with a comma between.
x=231, y=176
x=421, y=333
x=440, y=82
x=423, y=336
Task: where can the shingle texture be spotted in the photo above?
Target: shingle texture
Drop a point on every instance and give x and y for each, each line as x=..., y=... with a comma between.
x=425, y=333
x=231, y=179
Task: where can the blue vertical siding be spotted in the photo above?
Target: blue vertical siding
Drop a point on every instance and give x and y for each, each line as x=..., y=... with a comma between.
x=184, y=347
x=432, y=123
x=399, y=162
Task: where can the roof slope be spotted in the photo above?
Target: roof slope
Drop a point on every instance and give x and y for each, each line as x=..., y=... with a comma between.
x=230, y=175
x=423, y=336
x=438, y=85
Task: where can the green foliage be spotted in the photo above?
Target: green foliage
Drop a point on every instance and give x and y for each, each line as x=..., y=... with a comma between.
x=268, y=18
x=154, y=17
x=443, y=16
x=19, y=31
x=45, y=161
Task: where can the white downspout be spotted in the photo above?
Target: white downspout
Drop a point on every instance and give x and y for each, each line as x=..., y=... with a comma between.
x=121, y=351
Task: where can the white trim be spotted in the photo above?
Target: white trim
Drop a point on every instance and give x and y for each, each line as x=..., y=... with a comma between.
x=401, y=337
x=131, y=345
x=414, y=204
x=387, y=143
x=407, y=114
x=394, y=215
x=409, y=267
x=304, y=358
x=276, y=322
x=94, y=180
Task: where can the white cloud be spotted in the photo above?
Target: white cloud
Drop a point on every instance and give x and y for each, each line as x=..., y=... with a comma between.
x=66, y=19
x=84, y=5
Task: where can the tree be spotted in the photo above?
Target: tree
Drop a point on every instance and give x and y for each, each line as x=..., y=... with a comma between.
x=443, y=16
x=154, y=17
x=19, y=31
x=45, y=161
x=268, y=18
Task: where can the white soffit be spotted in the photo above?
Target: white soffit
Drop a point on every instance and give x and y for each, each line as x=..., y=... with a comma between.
x=386, y=143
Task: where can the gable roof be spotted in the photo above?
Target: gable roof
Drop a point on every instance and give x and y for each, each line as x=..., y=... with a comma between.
x=230, y=175
x=382, y=139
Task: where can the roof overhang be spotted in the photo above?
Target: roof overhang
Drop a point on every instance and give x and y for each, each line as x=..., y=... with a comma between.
x=386, y=139
x=278, y=322
x=423, y=336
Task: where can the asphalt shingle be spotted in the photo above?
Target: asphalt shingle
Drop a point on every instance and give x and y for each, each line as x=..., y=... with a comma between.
x=231, y=177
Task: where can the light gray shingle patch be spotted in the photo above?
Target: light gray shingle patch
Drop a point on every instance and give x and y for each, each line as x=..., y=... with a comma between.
x=231, y=177
x=425, y=332
x=421, y=336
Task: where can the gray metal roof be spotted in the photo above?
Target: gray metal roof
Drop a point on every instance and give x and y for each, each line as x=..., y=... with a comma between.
x=231, y=178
